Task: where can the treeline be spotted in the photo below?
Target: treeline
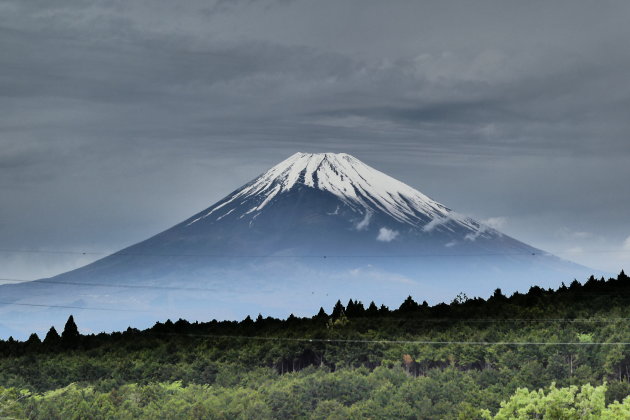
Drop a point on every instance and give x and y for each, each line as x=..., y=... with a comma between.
x=575, y=303
x=453, y=359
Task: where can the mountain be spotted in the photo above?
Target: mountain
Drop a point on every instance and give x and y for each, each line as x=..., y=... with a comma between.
x=313, y=229
x=323, y=204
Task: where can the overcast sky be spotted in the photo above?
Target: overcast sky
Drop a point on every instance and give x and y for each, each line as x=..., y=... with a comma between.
x=119, y=119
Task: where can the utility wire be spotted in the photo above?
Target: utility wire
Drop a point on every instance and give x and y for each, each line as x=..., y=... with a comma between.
x=497, y=320
x=252, y=256
x=407, y=320
x=428, y=342
x=69, y=307
x=114, y=285
x=143, y=254
x=12, y=281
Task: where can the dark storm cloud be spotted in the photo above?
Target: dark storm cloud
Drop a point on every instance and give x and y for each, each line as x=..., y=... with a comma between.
x=121, y=118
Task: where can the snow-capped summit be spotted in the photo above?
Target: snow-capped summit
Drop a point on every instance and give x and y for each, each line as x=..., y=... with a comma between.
x=360, y=187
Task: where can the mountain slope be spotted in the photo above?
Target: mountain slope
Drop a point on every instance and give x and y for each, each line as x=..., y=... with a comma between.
x=314, y=203
x=312, y=229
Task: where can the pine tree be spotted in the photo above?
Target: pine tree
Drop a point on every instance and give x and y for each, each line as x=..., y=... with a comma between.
x=247, y=322
x=409, y=305
x=321, y=314
x=70, y=336
x=372, y=310
x=33, y=339
x=52, y=339
x=354, y=308
x=498, y=293
x=338, y=310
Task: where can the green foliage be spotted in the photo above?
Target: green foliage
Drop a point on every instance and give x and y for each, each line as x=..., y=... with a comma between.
x=571, y=403
x=385, y=393
x=413, y=362
x=11, y=405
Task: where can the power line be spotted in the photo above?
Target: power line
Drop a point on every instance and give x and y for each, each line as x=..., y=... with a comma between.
x=315, y=256
x=114, y=285
x=376, y=341
x=14, y=281
x=146, y=254
x=408, y=320
x=498, y=320
x=69, y=307
x=46, y=251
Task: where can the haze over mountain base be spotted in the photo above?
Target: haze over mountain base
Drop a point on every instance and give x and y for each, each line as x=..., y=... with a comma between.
x=313, y=229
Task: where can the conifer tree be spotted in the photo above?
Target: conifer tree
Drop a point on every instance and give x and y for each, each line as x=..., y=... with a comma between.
x=321, y=314
x=409, y=305
x=338, y=310
x=70, y=336
x=52, y=339
x=372, y=310
x=33, y=339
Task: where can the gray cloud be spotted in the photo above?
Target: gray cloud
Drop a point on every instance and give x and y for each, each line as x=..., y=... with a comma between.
x=122, y=118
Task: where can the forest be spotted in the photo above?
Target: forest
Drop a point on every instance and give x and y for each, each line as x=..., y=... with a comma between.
x=546, y=353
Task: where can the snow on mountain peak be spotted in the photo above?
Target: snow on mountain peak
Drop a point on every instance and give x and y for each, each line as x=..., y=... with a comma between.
x=356, y=184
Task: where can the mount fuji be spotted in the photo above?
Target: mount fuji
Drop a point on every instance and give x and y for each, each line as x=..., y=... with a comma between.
x=313, y=229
